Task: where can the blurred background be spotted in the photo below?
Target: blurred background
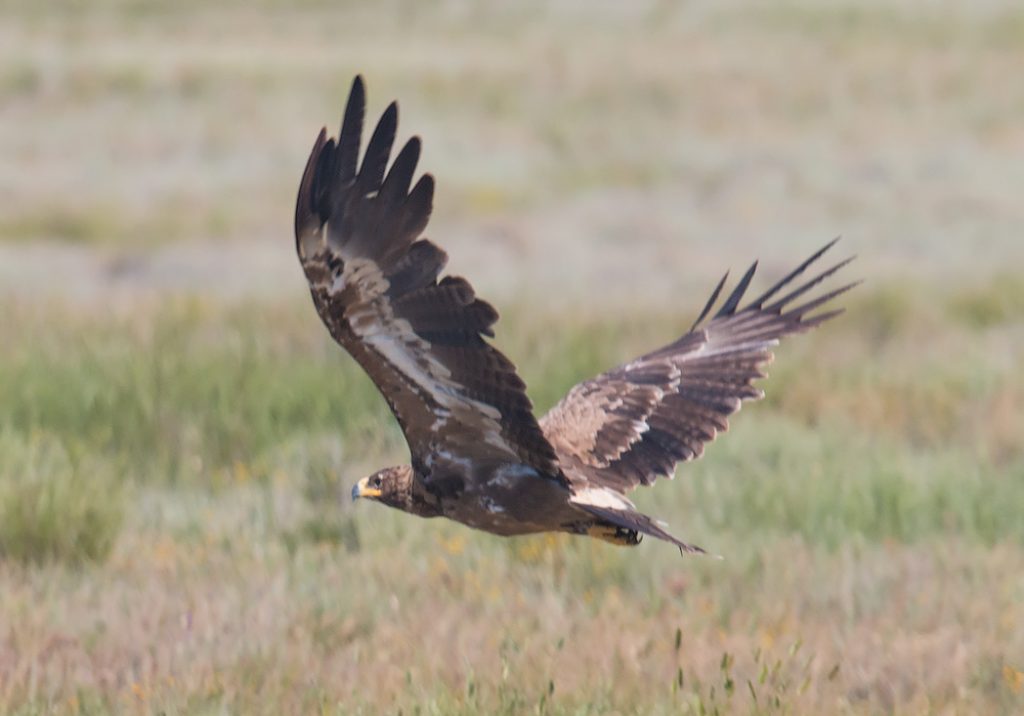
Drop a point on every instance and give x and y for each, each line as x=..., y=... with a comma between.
x=178, y=434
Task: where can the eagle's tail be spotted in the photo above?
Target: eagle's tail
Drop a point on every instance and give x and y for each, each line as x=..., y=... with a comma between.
x=626, y=526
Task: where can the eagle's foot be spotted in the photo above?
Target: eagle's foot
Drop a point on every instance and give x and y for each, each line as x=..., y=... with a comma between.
x=613, y=533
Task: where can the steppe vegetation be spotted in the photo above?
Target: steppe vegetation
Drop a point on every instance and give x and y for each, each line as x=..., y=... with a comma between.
x=178, y=434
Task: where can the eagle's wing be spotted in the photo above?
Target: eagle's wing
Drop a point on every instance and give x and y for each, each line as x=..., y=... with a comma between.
x=628, y=426
x=375, y=285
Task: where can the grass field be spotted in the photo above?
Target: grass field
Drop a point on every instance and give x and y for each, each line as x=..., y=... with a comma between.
x=178, y=435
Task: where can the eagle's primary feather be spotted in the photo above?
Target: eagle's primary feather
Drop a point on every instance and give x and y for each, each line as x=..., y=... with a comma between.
x=376, y=286
x=478, y=454
x=634, y=423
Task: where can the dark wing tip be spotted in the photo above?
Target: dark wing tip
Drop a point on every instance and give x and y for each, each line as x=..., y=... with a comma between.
x=798, y=315
x=356, y=95
x=410, y=154
x=804, y=309
x=781, y=303
x=711, y=301
x=351, y=131
x=731, y=303
x=305, y=206
x=419, y=204
x=759, y=301
x=422, y=192
x=399, y=177
x=817, y=320
x=378, y=150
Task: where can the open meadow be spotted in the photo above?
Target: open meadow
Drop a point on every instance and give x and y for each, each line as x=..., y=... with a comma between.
x=179, y=434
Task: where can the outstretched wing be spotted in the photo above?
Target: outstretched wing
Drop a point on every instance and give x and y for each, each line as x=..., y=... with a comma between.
x=375, y=285
x=628, y=426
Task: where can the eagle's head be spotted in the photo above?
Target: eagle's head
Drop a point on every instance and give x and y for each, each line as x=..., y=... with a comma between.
x=391, y=486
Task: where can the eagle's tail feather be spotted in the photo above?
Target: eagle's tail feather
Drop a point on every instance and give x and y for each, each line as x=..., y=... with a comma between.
x=638, y=522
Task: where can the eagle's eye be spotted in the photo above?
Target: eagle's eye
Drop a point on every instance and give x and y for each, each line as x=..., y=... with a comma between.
x=378, y=481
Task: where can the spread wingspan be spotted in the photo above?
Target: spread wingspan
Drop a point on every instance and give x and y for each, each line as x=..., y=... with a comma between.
x=376, y=286
x=634, y=423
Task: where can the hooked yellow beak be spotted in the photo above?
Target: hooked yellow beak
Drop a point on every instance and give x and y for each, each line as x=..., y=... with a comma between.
x=363, y=489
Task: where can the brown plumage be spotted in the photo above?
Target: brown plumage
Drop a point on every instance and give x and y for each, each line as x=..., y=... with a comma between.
x=479, y=456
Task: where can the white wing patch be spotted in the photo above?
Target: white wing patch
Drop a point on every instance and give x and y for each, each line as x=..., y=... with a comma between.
x=491, y=506
x=601, y=497
x=507, y=476
x=373, y=320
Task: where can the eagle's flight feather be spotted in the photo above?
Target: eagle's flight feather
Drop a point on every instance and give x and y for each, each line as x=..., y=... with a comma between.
x=479, y=456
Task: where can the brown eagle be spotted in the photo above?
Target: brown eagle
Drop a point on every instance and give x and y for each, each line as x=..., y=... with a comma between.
x=479, y=456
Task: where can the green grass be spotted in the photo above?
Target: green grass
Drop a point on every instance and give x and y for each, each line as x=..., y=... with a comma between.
x=175, y=530
x=191, y=442
x=55, y=506
x=860, y=440
x=184, y=389
x=188, y=389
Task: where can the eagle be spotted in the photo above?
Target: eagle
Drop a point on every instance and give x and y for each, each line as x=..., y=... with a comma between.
x=478, y=454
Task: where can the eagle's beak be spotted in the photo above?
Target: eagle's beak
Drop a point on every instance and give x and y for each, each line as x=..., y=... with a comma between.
x=363, y=489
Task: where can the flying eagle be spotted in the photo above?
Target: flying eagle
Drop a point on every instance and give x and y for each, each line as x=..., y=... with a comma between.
x=478, y=454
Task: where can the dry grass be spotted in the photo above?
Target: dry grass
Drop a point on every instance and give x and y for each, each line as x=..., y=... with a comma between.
x=177, y=433
x=871, y=531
